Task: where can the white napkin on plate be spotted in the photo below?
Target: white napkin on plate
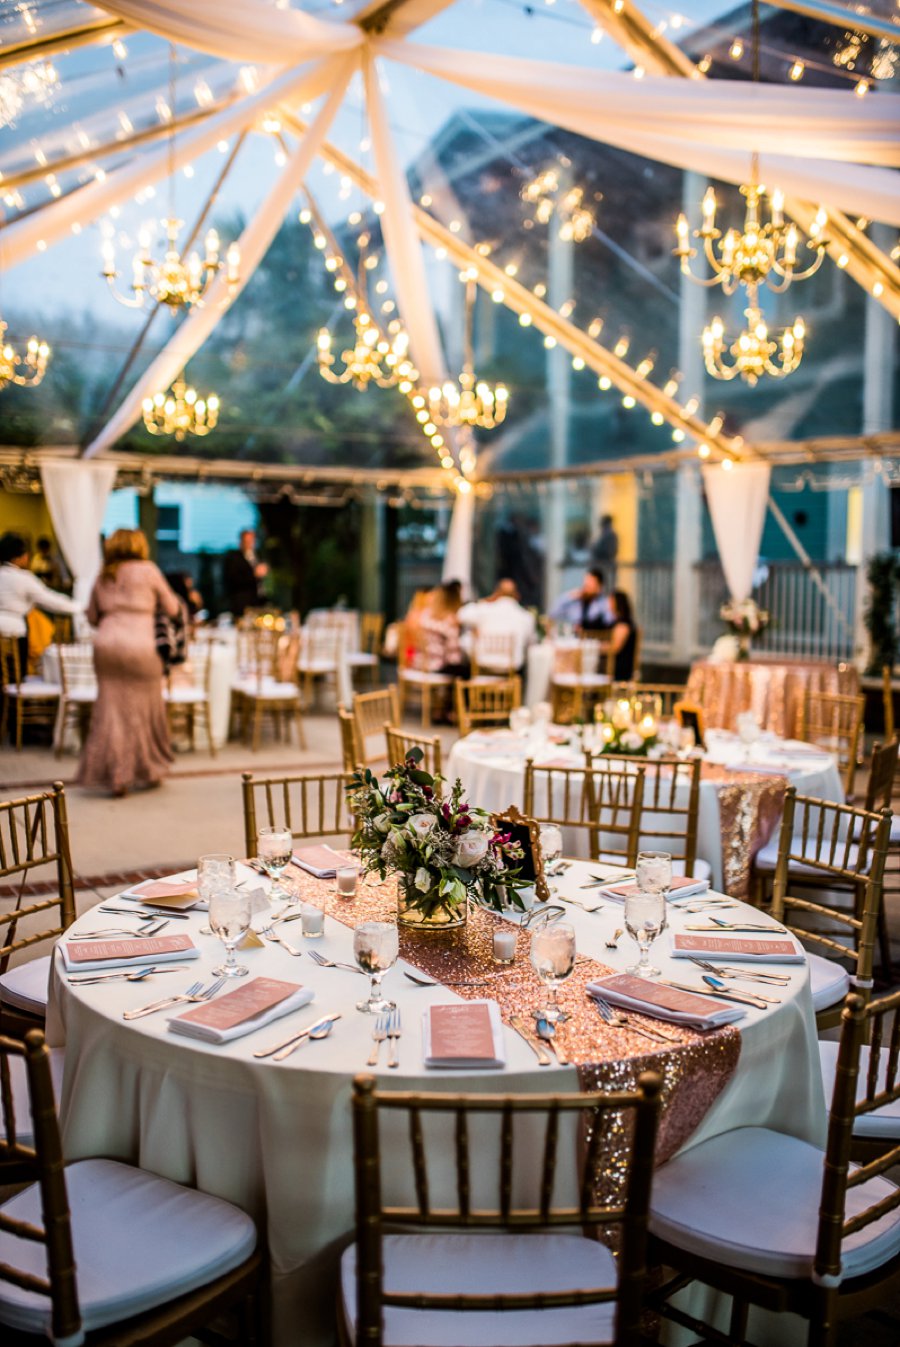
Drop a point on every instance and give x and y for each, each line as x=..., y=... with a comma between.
x=207, y=1034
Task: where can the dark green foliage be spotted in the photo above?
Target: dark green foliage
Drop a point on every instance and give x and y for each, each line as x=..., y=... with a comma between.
x=883, y=574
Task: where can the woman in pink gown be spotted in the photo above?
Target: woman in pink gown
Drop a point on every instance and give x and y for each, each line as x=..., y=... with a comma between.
x=128, y=743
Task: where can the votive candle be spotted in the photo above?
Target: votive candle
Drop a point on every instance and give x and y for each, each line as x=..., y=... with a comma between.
x=504, y=946
x=312, y=922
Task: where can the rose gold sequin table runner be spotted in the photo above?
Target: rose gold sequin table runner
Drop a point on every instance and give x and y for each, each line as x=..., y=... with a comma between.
x=694, y=1070
x=750, y=805
x=772, y=690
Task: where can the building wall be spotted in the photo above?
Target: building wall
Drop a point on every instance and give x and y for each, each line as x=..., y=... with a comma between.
x=25, y=514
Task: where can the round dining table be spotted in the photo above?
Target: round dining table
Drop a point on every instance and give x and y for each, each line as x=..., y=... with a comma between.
x=275, y=1138
x=773, y=689
x=741, y=788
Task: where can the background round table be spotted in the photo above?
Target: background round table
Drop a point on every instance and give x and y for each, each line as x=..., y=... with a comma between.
x=276, y=1139
x=772, y=689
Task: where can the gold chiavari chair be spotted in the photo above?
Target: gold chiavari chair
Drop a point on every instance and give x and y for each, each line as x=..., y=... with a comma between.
x=833, y=721
x=399, y=742
x=879, y=795
x=432, y=689
x=581, y=679
x=486, y=702
x=370, y=711
x=274, y=694
x=34, y=837
x=600, y=801
x=493, y=655
x=321, y=649
x=876, y=1128
x=310, y=806
x=351, y=753
x=831, y=847
x=774, y=1221
x=31, y=700
x=561, y=1280
x=78, y=692
x=186, y=694
x=670, y=808
x=143, y=1276
x=371, y=636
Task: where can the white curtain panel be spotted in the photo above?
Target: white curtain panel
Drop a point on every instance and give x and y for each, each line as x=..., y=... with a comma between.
x=593, y=104
x=460, y=538
x=254, y=242
x=240, y=30
x=737, y=506
x=76, y=496
x=87, y=204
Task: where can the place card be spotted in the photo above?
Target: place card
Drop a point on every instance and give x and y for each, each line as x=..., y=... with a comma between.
x=464, y=1035
x=177, y=894
x=681, y=887
x=765, y=949
x=242, y=1010
x=90, y=954
x=665, y=1003
x=322, y=861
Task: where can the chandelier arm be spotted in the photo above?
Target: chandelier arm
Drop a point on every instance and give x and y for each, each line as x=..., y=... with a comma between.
x=811, y=269
x=708, y=282
x=710, y=255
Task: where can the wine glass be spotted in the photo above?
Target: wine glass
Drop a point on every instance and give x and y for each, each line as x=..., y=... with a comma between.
x=653, y=872
x=551, y=848
x=229, y=917
x=520, y=720
x=553, y=959
x=645, y=919
x=274, y=848
x=214, y=871
x=376, y=945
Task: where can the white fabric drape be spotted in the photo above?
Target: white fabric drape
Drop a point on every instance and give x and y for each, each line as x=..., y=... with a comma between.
x=254, y=242
x=20, y=240
x=240, y=30
x=592, y=105
x=76, y=496
x=737, y=508
x=460, y=536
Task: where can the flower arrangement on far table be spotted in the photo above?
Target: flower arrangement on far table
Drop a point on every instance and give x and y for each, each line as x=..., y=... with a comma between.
x=746, y=619
x=622, y=729
x=441, y=847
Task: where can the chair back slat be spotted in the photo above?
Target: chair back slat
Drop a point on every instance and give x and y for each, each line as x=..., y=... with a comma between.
x=494, y=653
x=420, y=1166
x=548, y=1168
x=399, y=742
x=34, y=832
x=485, y=702
x=833, y=721
x=309, y=806
x=351, y=752
x=883, y=769
x=370, y=712
x=507, y=1139
x=605, y=801
x=463, y=1176
x=670, y=803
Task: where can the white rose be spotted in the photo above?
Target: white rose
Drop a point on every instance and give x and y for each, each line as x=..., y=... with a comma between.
x=424, y=879
x=383, y=823
x=632, y=740
x=470, y=849
x=420, y=825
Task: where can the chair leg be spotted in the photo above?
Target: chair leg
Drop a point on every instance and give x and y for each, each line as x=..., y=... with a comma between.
x=301, y=733
x=19, y=721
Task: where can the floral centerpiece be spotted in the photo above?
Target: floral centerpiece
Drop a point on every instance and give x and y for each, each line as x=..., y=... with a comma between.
x=440, y=846
x=746, y=619
x=621, y=731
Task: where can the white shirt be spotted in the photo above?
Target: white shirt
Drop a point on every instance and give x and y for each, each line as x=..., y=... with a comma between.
x=499, y=617
x=20, y=591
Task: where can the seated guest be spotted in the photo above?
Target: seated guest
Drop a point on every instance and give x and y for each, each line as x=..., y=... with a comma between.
x=623, y=638
x=587, y=608
x=20, y=591
x=501, y=614
x=439, y=649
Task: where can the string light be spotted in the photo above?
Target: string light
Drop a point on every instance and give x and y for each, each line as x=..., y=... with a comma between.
x=796, y=71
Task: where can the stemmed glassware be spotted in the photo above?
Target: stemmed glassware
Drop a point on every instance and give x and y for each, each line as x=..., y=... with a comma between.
x=645, y=910
x=229, y=917
x=376, y=945
x=214, y=871
x=553, y=959
x=274, y=849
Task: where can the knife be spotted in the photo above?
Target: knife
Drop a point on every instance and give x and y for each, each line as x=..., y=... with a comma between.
x=518, y=1024
x=298, y=1038
x=746, y=998
x=146, y=912
x=721, y=926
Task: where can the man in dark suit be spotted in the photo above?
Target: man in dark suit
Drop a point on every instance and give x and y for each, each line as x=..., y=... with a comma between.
x=242, y=576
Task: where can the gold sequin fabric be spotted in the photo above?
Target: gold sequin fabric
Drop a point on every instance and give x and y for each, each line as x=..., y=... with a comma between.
x=694, y=1069
x=772, y=689
x=750, y=806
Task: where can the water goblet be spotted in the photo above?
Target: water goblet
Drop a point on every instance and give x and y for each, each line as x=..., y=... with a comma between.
x=215, y=870
x=551, y=848
x=553, y=959
x=376, y=945
x=520, y=720
x=229, y=917
x=645, y=919
x=274, y=848
x=653, y=872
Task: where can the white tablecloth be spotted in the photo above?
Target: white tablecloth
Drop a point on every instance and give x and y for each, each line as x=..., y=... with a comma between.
x=494, y=778
x=276, y=1139
x=539, y=665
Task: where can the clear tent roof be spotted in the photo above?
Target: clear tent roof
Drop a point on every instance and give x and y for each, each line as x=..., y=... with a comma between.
x=466, y=156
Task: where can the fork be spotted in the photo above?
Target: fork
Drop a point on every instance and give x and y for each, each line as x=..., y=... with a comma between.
x=137, y=976
x=779, y=979
x=454, y=982
x=194, y=993
x=394, y=1032
x=621, y=1021
x=271, y=934
x=379, y=1034
x=149, y=930
x=325, y=962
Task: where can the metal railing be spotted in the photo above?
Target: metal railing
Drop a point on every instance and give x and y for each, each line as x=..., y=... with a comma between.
x=650, y=585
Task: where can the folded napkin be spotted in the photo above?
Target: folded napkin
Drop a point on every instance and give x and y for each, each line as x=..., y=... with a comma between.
x=682, y=887
x=665, y=1003
x=241, y=1011
x=321, y=861
x=88, y=955
x=779, y=947
x=464, y=1035
x=179, y=894
x=186, y=883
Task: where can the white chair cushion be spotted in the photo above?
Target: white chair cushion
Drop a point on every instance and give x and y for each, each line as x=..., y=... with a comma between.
x=34, y=687
x=828, y=981
x=361, y=660
x=27, y=985
x=583, y=680
x=82, y=694
x=884, y=1122
x=139, y=1242
x=767, y=858
x=185, y=694
x=275, y=691
x=480, y=1264
x=317, y=666
x=422, y=676
x=21, y=1102
x=895, y=828
x=750, y=1199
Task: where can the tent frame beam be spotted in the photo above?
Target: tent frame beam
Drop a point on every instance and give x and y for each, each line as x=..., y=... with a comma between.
x=839, y=16
x=67, y=39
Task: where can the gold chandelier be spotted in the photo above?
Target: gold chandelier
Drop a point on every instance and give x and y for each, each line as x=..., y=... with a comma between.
x=177, y=281
x=543, y=193
x=180, y=412
x=26, y=369
x=373, y=358
x=755, y=352
x=470, y=401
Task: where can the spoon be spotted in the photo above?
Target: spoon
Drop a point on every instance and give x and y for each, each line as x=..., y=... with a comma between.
x=617, y=936
x=719, y=985
x=320, y=1031
x=547, y=1032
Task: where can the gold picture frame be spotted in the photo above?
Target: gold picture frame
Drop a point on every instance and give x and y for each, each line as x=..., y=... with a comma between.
x=527, y=832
